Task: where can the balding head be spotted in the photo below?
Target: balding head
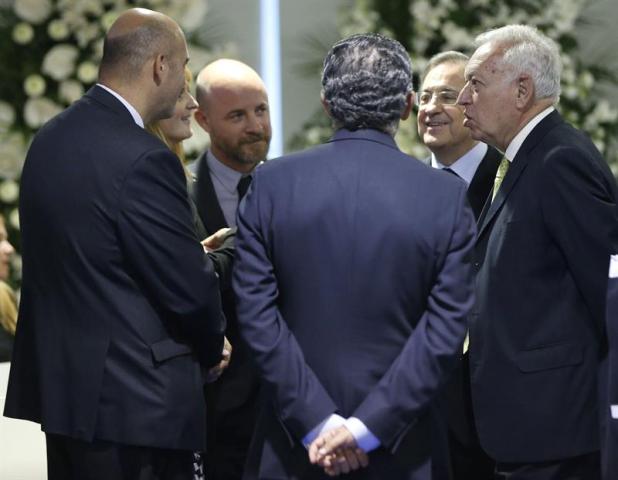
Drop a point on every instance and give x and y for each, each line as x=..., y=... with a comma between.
x=144, y=55
x=136, y=37
x=225, y=74
x=233, y=109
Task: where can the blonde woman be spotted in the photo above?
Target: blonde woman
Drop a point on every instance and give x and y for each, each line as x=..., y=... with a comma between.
x=8, y=300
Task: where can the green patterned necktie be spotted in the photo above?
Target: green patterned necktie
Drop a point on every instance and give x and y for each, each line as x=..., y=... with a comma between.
x=500, y=174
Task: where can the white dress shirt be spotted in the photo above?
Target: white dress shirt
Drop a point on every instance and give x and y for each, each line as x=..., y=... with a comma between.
x=225, y=181
x=466, y=165
x=518, y=140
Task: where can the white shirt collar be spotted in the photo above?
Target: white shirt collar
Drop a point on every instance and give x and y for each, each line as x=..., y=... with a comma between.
x=518, y=141
x=136, y=116
x=466, y=165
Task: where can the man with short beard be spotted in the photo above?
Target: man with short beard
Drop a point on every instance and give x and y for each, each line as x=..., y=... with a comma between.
x=233, y=110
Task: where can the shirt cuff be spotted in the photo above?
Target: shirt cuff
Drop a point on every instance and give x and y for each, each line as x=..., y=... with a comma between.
x=328, y=423
x=365, y=440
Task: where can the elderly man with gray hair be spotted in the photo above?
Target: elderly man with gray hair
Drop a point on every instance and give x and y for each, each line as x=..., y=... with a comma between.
x=353, y=284
x=537, y=330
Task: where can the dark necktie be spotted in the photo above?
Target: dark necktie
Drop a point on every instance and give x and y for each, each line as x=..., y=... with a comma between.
x=243, y=186
x=451, y=171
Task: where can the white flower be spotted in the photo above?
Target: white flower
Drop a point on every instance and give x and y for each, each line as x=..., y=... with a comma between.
x=70, y=90
x=9, y=191
x=57, y=30
x=191, y=17
x=34, y=85
x=86, y=33
x=12, y=154
x=109, y=18
x=59, y=62
x=37, y=111
x=7, y=116
x=87, y=72
x=23, y=33
x=14, y=221
x=33, y=11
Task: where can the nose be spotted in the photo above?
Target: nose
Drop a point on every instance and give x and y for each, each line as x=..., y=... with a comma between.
x=6, y=248
x=254, y=124
x=191, y=103
x=464, y=95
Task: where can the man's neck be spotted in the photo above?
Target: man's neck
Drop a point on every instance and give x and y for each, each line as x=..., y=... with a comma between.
x=240, y=167
x=448, y=155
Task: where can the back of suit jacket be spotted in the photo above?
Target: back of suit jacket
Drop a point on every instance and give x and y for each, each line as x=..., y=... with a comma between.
x=118, y=306
x=537, y=330
x=352, y=289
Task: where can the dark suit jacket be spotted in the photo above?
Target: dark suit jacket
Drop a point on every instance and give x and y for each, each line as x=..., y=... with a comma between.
x=609, y=388
x=537, y=330
x=235, y=394
x=119, y=306
x=353, y=284
x=458, y=401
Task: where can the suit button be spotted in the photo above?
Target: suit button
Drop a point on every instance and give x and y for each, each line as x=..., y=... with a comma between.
x=477, y=265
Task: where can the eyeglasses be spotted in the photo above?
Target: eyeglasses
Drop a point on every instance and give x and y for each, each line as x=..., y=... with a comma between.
x=440, y=97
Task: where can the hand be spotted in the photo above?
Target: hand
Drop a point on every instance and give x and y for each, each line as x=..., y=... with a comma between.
x=215, y=240
x=215, y=372
x=336, y=451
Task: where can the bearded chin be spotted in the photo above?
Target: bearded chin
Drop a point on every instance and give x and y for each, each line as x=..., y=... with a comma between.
x=253, y=152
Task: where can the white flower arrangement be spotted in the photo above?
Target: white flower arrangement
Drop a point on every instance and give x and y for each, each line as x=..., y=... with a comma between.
x=50, y=51
x=57, y=45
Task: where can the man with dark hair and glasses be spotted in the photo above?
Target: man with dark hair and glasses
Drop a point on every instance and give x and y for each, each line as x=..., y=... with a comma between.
x=440, y=127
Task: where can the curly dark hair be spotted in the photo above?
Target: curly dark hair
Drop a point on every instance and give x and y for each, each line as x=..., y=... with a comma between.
x=365, y=82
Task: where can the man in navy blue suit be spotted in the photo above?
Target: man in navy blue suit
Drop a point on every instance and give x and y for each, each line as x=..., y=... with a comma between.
x=537, y=331
x=120, y=309
x=353, y=284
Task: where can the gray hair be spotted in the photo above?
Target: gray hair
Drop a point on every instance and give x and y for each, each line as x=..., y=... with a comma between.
x=450, y=56
x=365, y=82
x=526, y=50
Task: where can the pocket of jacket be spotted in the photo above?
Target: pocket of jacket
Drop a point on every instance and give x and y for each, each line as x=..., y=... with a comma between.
x=169, y=348
x=549, y=357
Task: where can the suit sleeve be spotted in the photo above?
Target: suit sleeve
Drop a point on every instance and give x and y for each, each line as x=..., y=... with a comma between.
x=300, y=401
x=165, y=256
x=579, y=208
x=430, y=353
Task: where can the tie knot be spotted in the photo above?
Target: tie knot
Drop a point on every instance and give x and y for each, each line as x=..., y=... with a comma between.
x=243, y=186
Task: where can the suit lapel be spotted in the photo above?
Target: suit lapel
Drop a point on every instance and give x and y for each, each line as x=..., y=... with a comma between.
x=206, y=198
x=519, y=164
x=483, y=180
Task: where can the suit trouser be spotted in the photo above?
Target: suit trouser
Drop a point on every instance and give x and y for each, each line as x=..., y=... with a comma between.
x=71, y=459
x=583, y=467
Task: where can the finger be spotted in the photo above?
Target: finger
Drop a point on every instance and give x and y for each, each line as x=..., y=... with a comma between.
x=342, y=461
x=336, y=440
x=352, y=459
x=333, y=465
x=363, y=458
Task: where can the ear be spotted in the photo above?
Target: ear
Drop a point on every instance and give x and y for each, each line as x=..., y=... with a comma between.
x=409, y=104
x=324, y=103
x=202, y=120
x=525, y=92
x=159, y=68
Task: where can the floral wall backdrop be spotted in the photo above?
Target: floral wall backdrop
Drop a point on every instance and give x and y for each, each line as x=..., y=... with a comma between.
x=426, y=27
x=49, y=52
